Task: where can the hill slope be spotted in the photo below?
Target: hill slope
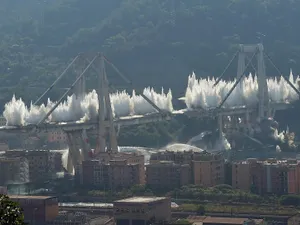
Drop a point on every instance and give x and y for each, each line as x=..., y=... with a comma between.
x=145, y=38
x=154, y=42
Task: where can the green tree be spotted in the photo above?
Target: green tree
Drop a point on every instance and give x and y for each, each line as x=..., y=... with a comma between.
x=10, y=212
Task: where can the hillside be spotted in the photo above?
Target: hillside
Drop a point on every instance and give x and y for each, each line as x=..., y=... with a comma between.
x=154, y=42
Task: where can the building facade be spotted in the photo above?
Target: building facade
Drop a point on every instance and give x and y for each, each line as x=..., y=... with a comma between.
x=42, y=163
x=37, y=209
x=58, y=137
x=14, y=170
x=208, y=169
x=142, y=210
x=266, y=177
x=116, y=172
x=167, y=175
x=248, y=175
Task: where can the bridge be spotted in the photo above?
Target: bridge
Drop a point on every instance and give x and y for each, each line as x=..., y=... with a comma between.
x=101, y=112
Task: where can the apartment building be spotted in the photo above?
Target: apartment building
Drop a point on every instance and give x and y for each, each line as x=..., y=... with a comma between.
x=276, y=177
x=293, y=177
x=14, y=170
x=248, y=175
x=179, y=157
x=40, y=163
x=270, y=176
x=57, y=137
x=121, y=171
x=167, y=175
x=208, y=169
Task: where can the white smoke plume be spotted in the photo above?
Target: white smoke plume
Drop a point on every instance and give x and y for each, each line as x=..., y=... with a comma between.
x=86, y=107
x=201, y=93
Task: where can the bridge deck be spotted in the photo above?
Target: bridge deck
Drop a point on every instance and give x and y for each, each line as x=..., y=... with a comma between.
x=139, y=119
x=71, y=126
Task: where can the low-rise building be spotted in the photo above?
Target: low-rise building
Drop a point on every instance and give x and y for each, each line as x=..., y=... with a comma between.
x=67, y=218
x=142, y=210
x=167, y=175
x=37, y=209
x=209, y=220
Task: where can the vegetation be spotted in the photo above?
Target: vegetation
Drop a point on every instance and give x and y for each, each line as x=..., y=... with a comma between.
x=290, y=200
x=237, y=209
x=156, y=43
x=182, y=221
x=10, y=212
x=220, y=193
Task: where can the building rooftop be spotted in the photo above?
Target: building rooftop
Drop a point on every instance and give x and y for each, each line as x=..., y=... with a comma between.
x=30, y=197
x=140, y=200
x=220, y=220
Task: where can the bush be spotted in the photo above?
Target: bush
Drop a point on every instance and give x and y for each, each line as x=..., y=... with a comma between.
x=292, y=200
x=10, y=212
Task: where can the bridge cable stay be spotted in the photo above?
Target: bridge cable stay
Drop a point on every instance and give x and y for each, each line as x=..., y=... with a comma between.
x=281, y=74
x=131, y=85
x=226, y=68
x=58, y=79
x=67, y=92
x=237, y=82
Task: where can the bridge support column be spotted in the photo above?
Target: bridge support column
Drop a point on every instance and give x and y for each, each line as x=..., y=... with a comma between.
x=78, y=148
x=80, y=86
x=105, y=114
x=263, y=95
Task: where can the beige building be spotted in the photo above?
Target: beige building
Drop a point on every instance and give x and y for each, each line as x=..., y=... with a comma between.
x=167, y=175
x=208, y=169
x=113, y=171
x=142, y=210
